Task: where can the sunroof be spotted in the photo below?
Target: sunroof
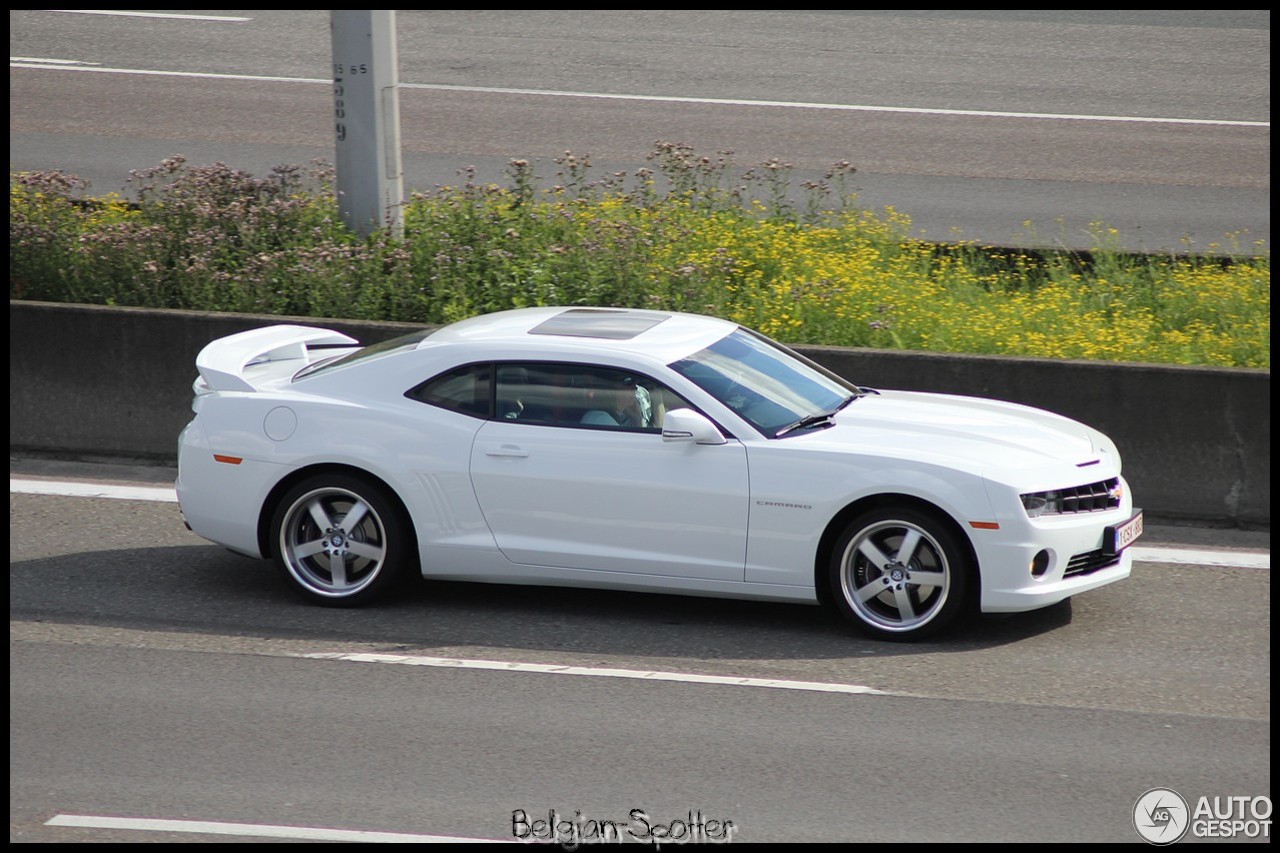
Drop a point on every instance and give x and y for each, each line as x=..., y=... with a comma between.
x=614, y=324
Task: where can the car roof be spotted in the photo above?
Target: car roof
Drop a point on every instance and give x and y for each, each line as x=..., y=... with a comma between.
x=665, y=335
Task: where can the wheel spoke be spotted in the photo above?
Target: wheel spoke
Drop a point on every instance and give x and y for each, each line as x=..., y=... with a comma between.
x=354, y=515
x=906, y=607
x=307, y=549
x=870, y=590
x=907, y=550
x=367, y=550
x=928, y=578
x=338, y=569
x=319, y=515
x=872, y=552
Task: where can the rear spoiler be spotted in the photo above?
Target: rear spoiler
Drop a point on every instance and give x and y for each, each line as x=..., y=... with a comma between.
x=223, y=362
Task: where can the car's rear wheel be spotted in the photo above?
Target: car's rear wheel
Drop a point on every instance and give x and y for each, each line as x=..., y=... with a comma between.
x=339, y=540
x=899, y=574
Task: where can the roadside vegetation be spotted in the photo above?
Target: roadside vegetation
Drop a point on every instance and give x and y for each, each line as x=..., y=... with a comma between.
x=691, y=233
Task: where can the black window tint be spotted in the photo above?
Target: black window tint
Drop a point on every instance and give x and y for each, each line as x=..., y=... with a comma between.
x=465, y=390
x=586, y=396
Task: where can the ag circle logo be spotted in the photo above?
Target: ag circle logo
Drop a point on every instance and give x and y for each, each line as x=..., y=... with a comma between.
x=1161, y=816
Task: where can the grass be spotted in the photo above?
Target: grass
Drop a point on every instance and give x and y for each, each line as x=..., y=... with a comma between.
x=691, y=233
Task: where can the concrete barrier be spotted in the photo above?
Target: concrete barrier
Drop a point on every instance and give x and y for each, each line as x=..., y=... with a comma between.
x=99, y=382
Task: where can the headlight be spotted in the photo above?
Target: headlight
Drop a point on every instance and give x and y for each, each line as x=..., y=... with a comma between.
x=1041, y=503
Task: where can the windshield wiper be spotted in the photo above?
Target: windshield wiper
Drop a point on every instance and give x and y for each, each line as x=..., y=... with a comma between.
x=820, y=417
x=805, y=423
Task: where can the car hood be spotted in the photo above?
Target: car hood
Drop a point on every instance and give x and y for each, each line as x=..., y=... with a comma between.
x=982, y=432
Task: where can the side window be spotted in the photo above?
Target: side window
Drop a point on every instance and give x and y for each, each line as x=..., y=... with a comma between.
x=465, y=390
x=585, y=396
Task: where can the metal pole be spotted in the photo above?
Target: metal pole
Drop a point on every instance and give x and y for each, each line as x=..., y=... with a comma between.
x=366, y=113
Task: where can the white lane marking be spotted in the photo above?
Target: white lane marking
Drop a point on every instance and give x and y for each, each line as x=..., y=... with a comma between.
x=596, y=671
x=43, y=59
x=1231, y=559
x=257, y=830
x=735, y=102
x=148, y=15
x=257, y=77
x=161, y=494
x=741, y=102
x=1145, y=554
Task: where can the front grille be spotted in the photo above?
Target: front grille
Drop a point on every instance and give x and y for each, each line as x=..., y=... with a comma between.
x=1089, y=562
x=1093, y=497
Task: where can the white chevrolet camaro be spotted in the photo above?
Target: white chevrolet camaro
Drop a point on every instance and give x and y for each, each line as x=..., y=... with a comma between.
x=640, y=450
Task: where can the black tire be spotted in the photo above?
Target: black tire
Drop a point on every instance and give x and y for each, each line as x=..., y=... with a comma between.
x=330, y=558
x=899, y=574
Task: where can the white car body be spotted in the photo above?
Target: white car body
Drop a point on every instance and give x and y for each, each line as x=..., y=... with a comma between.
x=709, y=504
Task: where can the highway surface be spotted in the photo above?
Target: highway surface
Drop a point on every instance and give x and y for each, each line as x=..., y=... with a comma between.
x=1011, y=127
x=164, y=689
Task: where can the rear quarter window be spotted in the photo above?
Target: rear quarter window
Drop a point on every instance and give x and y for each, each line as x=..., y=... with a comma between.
x=464, y=389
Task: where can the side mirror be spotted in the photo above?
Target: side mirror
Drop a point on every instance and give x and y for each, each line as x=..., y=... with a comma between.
x=688, y=425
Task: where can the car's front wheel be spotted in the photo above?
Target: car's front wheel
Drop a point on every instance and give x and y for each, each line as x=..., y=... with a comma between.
x=899, y=574
x=339, y=539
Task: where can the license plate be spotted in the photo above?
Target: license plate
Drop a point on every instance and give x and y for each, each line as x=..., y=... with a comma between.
x=1123, y=535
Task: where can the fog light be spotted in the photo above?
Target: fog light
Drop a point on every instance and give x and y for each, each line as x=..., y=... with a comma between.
x=1040, y=564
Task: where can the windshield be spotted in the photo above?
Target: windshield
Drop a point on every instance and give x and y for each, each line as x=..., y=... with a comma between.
x=766, y=384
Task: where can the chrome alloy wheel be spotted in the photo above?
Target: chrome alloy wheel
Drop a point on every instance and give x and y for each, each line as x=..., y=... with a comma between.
x=895, y=576
x=333, y=542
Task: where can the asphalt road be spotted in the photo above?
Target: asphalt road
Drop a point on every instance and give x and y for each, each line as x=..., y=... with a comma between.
x=1011, y=127
x=154, y=676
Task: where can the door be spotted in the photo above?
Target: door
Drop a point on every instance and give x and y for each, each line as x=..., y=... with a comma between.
x=562, y=485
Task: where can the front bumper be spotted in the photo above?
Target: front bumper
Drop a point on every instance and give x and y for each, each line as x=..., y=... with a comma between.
x=1032, y=563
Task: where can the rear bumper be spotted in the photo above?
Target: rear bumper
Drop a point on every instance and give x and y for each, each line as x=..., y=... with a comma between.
x=220, y=500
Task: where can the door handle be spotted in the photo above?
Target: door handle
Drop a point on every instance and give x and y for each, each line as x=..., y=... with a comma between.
x=509, y=450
